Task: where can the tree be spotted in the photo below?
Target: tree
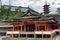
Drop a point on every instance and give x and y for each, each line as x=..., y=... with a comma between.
x=7, y=14
x=15, y=14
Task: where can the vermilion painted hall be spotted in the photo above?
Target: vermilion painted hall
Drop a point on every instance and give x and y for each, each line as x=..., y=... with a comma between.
x=33, y=23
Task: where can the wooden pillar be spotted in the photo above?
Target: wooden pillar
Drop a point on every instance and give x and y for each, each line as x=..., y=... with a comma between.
x=13, y=27
x=59, y=28
x=45, y=27
x=13, y=30
x=51, y=26
x=21, y=31
x=36, y=27
x=26, y=36
x=25, y=28
x=51, y=36
x=6, y=34
x=34, y=36
x=19, y=35
x=21, y=28
x=28, y=28
x=42, y=34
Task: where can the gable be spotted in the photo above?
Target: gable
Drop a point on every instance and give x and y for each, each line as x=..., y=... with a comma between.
x=29, y=13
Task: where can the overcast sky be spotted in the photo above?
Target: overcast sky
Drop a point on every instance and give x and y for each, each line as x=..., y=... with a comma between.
x=34, y=4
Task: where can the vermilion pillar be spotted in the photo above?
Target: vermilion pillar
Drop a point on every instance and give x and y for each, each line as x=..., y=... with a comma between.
x=21, y=27
x=59, y=26
x=35, y=27
x=38, y=28
x=24, y=27
x=13, y=27
x=45, y=27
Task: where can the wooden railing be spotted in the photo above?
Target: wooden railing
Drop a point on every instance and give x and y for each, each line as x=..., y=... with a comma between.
x=35, y=32
x=47, y=32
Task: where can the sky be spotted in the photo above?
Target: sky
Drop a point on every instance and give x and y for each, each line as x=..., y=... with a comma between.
x=37, y=5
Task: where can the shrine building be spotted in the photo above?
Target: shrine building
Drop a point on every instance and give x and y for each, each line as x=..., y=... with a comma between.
x=32, y=23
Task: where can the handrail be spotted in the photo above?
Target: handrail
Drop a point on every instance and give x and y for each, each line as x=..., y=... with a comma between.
x=46, y=32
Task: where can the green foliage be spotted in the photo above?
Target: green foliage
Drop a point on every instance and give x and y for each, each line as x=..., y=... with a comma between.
x=8, y=14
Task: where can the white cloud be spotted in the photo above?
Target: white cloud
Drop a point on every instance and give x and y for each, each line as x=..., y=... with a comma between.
x=35, y=4
x=5, y=2
x=15, y=2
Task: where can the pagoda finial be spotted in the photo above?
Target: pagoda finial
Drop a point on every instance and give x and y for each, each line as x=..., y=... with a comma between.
x=45, y=2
